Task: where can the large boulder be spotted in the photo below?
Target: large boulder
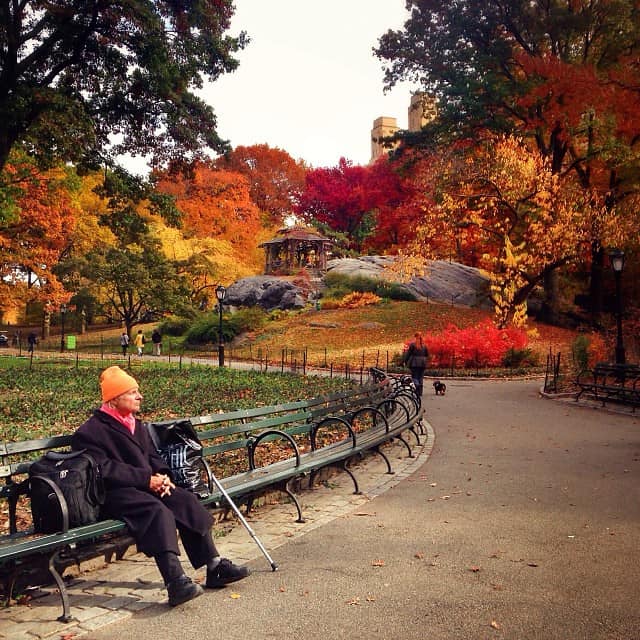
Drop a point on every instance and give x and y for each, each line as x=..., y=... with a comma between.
x=443, y=281
x=267, y=292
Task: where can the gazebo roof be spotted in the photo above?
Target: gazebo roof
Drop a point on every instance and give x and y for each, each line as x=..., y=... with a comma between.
x=298, y=232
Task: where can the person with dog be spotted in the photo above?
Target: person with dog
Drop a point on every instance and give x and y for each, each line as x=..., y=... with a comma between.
x=416, y=357
x=140, y=490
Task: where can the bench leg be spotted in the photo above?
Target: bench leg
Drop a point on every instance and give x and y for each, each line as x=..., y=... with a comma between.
x=415, y=433
x=62, y=588
x=390, y=471
x=294, y=498
x=406, y=444
x=346, y=469
x=9, y=586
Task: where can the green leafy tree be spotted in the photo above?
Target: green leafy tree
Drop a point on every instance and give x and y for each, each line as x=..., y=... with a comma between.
x=135, y=281
x=73, y=73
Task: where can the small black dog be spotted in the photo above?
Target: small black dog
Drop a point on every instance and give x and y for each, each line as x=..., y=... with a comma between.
x=440, y=387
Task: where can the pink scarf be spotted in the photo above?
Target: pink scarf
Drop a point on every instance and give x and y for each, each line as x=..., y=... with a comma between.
x=128, y=421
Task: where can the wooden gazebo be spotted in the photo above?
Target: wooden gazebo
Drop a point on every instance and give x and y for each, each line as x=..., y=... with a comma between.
x=296, y=248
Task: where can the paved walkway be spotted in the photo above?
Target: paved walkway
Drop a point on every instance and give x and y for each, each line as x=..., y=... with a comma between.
x=522, y=523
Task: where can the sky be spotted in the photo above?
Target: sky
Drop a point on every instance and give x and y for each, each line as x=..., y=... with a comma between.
x=308, y=82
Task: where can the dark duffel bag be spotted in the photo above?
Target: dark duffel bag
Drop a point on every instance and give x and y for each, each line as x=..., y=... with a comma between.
x=66, y=490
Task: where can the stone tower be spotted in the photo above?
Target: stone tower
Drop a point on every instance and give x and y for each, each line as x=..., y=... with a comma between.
x=383, y=127
x=422, y=110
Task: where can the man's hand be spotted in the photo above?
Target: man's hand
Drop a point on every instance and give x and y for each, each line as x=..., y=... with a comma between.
x=161, y=484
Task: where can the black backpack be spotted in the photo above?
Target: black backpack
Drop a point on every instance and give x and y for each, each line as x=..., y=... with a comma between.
x=66, y=490
x=181, y=449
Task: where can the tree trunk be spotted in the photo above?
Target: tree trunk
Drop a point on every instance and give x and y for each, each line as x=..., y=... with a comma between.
x=550, y=311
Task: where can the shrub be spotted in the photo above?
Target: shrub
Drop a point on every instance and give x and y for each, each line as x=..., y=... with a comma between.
x=514, y=358
x=586, y=350
x=205, y=329
x=247, y=319
x=339, y=285
x=357, y=299
x=483, y=345
x=175, y=326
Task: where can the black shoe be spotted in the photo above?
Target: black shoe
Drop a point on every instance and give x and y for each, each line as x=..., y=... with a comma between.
x=183, y=589
x=225, y=573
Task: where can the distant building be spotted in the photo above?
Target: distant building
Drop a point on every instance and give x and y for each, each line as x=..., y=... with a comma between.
x=422, y=109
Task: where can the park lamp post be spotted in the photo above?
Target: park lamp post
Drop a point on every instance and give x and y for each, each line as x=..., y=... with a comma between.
x=221, y=292
x=616, y=256
x=63, y=311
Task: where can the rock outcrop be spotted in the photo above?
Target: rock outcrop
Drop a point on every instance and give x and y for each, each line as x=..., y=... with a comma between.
x=268, y=292
x=443, y=281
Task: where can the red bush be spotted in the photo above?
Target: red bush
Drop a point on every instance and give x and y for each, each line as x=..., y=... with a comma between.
x=483, y=345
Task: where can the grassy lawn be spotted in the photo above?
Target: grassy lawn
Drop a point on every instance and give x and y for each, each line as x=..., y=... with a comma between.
x=55, y=399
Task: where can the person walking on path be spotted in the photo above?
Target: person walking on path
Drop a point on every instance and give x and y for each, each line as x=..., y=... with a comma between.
x=140, y=490
x=415, y=358
x=156, y=338
x=32, y=340
x=139, y=342
x=124, y=343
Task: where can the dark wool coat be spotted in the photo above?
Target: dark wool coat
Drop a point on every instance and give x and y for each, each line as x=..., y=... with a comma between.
x=128, y=462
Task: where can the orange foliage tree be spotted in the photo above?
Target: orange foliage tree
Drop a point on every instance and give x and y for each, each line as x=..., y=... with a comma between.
x=34, y=237
x=215, y=203
x=275, y=179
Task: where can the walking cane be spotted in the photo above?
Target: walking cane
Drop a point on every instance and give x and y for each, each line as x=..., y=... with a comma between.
x=227, y=497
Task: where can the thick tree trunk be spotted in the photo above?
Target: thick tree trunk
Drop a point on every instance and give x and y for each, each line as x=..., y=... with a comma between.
x=550, y=311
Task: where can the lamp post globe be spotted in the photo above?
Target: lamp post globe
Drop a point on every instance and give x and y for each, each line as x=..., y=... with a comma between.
x=221, y=292
x=616, y=257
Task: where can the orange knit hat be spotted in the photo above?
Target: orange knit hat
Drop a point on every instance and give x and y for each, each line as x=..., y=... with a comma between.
x=114, y=382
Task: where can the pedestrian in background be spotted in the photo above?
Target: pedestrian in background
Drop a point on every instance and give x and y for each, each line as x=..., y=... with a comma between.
x=415, y=358
x=156, y=338
x=124, y=343
x=139, y=342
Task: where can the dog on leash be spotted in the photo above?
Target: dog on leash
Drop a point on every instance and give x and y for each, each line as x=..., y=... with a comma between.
x=440, y=387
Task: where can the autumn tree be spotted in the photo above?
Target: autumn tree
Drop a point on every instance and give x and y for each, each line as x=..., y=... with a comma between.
x=74, y=73
x=528, y=220
x=122, y=268
x=36, y=233
x=275, y=179
x=339, y=198
x=563, y=74
x=214, y=203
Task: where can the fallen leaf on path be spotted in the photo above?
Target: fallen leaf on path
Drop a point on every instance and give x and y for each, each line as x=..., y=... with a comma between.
x=235, y=596
x=494, y=625
x=419, y=555
x=370, y=599
x=364, y=513
x=282, y=588
x=532, y=564
x=474, y=569
x=377, y=563
x=353, y=601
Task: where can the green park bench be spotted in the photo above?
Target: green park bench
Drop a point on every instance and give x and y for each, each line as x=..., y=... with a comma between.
x=608, y=382
x=328, y=431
